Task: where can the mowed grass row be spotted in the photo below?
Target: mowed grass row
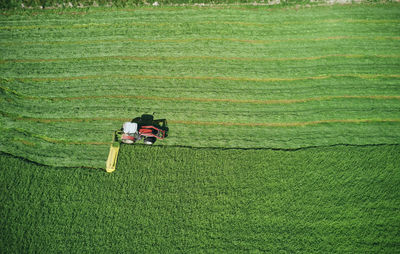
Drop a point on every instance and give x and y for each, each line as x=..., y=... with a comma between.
x=168, y=199
x=142, y=23
x=223, y=77
x=246, y=69
x=235, y=91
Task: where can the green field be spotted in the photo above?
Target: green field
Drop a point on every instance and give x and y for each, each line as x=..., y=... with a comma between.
x=168, y=200
x=284, y=129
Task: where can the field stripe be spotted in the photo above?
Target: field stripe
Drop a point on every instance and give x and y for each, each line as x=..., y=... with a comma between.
x=243, y=7
x=293, y=124
x=128, y=24
x=183, y=58
x=75, y=26
x=289, y=124
x=362, y=76
x=191, y=99
x=325, y=21
x=68, y=142
x=189, y=40
x=51, y=140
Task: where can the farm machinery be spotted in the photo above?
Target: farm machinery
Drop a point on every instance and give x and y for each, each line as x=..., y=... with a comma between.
x=144, y=128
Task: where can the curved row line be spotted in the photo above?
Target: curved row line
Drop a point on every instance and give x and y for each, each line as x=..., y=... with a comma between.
x=182, y=58
x=192, y=99
x=188, y=40
x=158, y=24
x=362, y=76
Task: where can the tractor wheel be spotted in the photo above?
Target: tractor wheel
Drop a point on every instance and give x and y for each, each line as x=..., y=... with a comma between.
x=126, y=139
x=150, y=140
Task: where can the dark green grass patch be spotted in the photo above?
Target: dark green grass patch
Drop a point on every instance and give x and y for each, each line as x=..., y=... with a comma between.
x=171, y=199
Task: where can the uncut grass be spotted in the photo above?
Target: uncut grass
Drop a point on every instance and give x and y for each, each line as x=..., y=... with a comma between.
x=338, y=199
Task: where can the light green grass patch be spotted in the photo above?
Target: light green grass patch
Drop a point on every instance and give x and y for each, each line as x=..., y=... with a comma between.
x=222, y=76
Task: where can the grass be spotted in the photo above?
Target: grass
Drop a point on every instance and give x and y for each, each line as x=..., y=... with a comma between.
x=285, y=129
x=58, y=4
x=223, y=76
x=171, y=199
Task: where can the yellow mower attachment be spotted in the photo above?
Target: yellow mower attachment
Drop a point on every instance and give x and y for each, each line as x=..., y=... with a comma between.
x=113, y=154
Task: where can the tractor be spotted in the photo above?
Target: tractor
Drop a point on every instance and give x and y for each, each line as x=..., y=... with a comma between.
x=144, y=128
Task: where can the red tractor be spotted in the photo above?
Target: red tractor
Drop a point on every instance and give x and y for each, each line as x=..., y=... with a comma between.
x=144, y=127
